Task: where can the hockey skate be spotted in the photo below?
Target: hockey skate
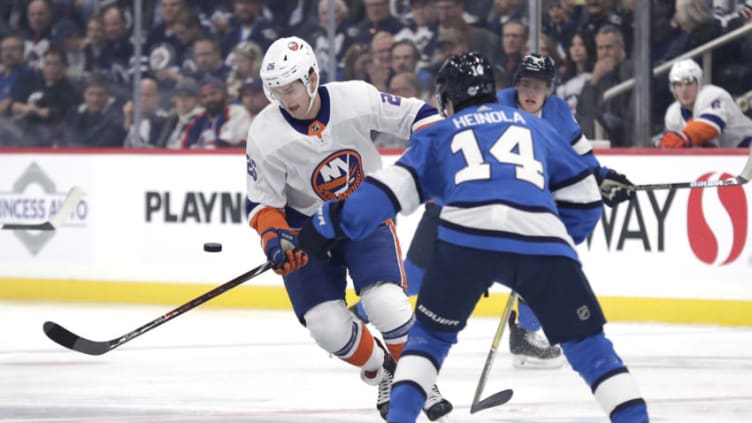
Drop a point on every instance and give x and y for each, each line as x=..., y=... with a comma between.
x=436, y=406
x=383, y=378
x=531, y=350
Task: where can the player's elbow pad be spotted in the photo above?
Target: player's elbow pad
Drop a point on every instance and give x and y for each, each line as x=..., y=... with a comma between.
x=700, y=132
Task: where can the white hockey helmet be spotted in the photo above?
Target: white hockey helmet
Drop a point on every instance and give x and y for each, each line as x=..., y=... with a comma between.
x=288, y=60
x=685, y=70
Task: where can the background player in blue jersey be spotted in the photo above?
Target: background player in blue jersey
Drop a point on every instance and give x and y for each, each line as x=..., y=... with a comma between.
x=498, y=174
x=534, y=81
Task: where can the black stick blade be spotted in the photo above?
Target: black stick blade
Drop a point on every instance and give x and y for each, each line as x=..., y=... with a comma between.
x=46, y=226
x=70, y=340
x=494, y=400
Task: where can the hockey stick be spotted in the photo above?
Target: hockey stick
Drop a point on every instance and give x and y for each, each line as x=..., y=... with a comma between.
x=70, y=203
x=70, y=340
x=742, y=179
x=504, y=396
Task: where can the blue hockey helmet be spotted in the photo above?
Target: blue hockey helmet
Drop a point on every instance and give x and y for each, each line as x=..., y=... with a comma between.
x=465, y=79
x=536, y=66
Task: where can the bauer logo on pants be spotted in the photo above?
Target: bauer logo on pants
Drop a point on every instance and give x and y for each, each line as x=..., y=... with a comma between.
x=717, y=241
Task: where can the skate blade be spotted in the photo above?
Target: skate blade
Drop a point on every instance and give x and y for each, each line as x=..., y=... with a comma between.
x=526, y=362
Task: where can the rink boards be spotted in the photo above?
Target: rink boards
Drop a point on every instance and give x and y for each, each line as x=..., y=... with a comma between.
x=137, y=235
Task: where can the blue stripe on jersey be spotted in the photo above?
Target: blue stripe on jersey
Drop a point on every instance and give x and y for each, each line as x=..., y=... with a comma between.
x=416, y=181
x=504, y=241
x=323, y=116
x=715, y=119
x=425, y=111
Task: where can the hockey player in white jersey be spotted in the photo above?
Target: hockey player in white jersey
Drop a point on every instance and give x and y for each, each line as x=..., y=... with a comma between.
x=498, y=174
x=702, y=115
x=310, y=145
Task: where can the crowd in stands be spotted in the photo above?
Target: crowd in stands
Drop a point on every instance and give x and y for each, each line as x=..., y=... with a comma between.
x=67, y=67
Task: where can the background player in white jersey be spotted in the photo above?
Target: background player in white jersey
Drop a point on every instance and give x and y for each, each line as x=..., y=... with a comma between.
x=498, y=173
x=312, y=144
x=702, y=115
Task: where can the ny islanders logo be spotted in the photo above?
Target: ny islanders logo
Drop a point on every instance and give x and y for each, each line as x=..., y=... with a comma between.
x=721, y=241
x=338, y=175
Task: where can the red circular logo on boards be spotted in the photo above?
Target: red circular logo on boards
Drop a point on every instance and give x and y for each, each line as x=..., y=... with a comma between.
x=338, y=175
x=704, y=235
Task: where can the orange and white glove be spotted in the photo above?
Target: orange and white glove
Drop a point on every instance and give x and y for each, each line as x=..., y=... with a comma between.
x=672, y=139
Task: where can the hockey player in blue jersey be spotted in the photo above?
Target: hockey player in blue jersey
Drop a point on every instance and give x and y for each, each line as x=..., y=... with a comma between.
x=532, y=92
x=499, y=175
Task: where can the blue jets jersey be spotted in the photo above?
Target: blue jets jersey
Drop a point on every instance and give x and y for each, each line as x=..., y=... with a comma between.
x=556, y=112
x=497, y=172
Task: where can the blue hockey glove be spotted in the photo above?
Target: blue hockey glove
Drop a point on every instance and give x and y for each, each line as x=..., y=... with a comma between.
x=280, y=246
x=615, y=187
x=321, y=231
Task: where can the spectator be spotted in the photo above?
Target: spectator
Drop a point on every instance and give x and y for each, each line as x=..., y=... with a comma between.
x=602, y=12
x=547, y=46
x=404, y=84
x=96, y=122
x=40, y=16
x=248, y=24
x=449, y=42
x=117, y=52
x=381, y=60
x=357, y=58
x=504, y=11
x=252, y=97
x=170, y=62
x=164, y=31
x=93, y=44
x=246, y=62
x=514, y=38
x=578, y=66
x=68, y=37
x=209, y=60
x=404, y=58
x=187, y=108
x=611, y=67
x=558, y=22
x=41, y=116
x=422, y=29
x=17, y=80
x=222, y=124
x=344, y=34
x=378, y=19
x=451, y=15
x=152, y=117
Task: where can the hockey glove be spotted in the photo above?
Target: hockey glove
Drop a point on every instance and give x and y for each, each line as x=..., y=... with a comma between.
x=615, y=187
x=672, y=139
x=281, y=249
x=321, y=231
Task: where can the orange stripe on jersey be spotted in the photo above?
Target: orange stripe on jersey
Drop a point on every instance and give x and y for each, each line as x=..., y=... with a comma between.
x=403, y=283
x=364, y=350
x=267, y=218
x=700, y=132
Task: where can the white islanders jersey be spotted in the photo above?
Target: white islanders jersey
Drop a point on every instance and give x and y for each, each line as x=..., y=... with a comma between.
x=297, y=165
x=716, y=107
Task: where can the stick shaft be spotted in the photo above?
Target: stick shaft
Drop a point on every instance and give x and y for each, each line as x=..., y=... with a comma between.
x=494, y=347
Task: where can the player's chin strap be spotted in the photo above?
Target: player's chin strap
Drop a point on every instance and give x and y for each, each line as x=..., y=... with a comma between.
x=311, y=95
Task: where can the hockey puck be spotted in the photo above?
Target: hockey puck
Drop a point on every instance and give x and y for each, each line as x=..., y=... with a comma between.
x=212, y=247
